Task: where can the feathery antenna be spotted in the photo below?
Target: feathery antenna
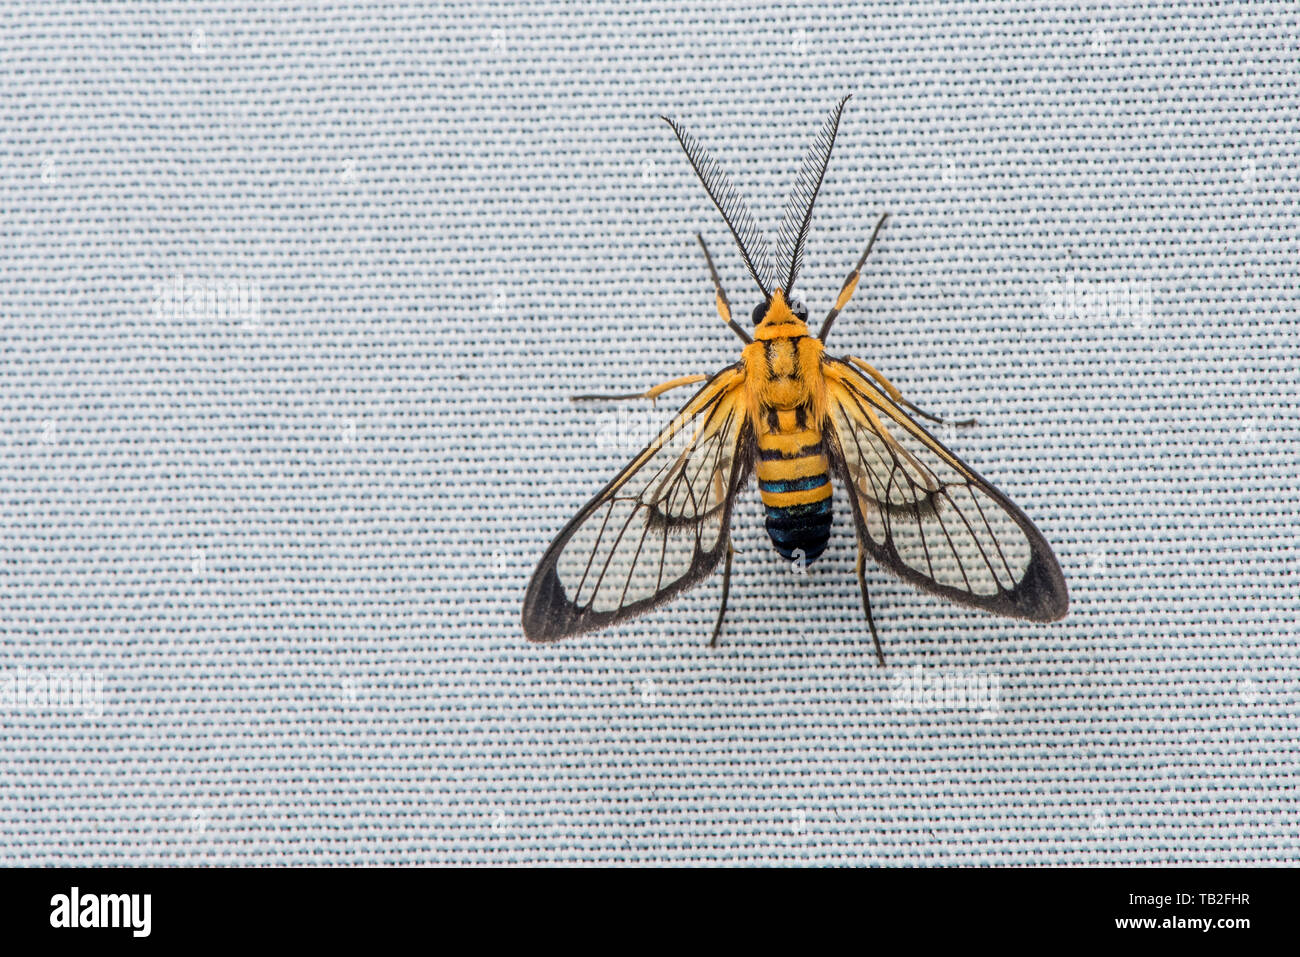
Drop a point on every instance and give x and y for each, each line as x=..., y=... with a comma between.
x=799, y=207
x=753, y=245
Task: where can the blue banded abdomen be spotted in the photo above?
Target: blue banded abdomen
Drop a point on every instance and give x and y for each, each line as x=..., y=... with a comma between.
x=795, y=484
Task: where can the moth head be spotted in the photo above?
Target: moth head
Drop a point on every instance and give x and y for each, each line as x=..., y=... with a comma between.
x=778, y=309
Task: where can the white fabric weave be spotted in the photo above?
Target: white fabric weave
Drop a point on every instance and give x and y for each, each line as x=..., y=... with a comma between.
x=293, y=299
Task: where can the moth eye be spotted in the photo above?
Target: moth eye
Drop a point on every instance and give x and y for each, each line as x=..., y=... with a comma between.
x=759, y=312
x=800, y=310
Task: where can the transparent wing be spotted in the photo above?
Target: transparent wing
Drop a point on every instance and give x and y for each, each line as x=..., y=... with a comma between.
x=658, y=528
x=928, y=517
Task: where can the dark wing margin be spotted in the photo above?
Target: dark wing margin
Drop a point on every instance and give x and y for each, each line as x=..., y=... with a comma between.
x=926, y=516
x=658, y=528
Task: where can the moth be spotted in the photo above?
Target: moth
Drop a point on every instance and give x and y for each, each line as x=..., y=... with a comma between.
x=805, y=424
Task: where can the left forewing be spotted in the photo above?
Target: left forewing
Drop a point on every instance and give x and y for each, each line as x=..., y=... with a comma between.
x=928, y=517
x=658, y=528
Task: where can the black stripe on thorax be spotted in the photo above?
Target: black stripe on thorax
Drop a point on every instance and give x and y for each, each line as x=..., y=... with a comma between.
x=774, y=421
x=770, y=344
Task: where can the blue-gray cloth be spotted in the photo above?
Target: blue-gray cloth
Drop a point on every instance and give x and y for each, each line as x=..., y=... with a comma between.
x=294, y=297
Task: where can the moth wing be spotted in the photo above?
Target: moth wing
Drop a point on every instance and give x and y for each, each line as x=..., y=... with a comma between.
x=928, y=517
x=659, y=527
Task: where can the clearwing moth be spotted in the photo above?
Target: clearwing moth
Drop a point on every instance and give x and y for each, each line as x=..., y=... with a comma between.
x=803, y=422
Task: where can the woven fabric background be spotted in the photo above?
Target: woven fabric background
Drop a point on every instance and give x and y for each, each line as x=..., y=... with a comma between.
x=294, y=296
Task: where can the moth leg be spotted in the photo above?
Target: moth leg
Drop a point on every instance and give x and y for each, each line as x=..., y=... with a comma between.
x=651, y=393
x=866, y=605
x=897, y=396
x=726, y=590
x=851, y=283
x=720, y=297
